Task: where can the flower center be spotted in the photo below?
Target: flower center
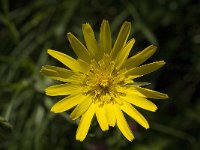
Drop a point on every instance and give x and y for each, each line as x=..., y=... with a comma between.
x=103, y=82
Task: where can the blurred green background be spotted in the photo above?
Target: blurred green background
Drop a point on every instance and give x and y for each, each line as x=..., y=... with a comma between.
x=29, y=28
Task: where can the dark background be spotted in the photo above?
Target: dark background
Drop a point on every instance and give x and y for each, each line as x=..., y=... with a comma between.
x=29, y=28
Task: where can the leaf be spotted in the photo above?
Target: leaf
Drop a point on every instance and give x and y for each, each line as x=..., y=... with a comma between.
x=5, y=129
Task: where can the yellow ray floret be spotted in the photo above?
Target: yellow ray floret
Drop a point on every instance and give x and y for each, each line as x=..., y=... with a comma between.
x=100, y=82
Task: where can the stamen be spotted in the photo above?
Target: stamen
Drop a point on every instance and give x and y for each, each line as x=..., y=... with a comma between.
x=103, y=82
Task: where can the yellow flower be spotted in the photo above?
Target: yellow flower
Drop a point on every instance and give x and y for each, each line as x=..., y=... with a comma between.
x=101, y=80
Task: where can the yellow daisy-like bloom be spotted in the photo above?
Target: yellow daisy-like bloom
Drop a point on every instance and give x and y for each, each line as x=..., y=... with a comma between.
x=101, y=80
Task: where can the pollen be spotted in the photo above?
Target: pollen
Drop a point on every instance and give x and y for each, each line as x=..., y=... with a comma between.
x=103, y=82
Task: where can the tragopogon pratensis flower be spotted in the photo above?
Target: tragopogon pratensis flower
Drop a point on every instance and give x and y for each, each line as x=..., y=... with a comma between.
x=101, y=80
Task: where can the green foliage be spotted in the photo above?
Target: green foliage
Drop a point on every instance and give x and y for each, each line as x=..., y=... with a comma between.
x=28, y=28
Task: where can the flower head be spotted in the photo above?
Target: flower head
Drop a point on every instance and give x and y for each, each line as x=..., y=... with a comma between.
x=101, y=80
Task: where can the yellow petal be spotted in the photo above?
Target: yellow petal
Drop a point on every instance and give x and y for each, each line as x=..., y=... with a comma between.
x=140, y=101
x=85, y=67
x=67, y=103
x=101, y=118
x=110, y=115
x=145, y=69
x=76, y=79
x=62, y=89
x=90, y=40
x=121, y=39
x=57, y=73
x=132, y=112
x=66, y=60
x=85, y=123
x=123, y=54
x=151, y=93
x=140, y=57
x=105, y=37
x=132, y=90
x=122, y=124
x=81, y=108
x=78, y=48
